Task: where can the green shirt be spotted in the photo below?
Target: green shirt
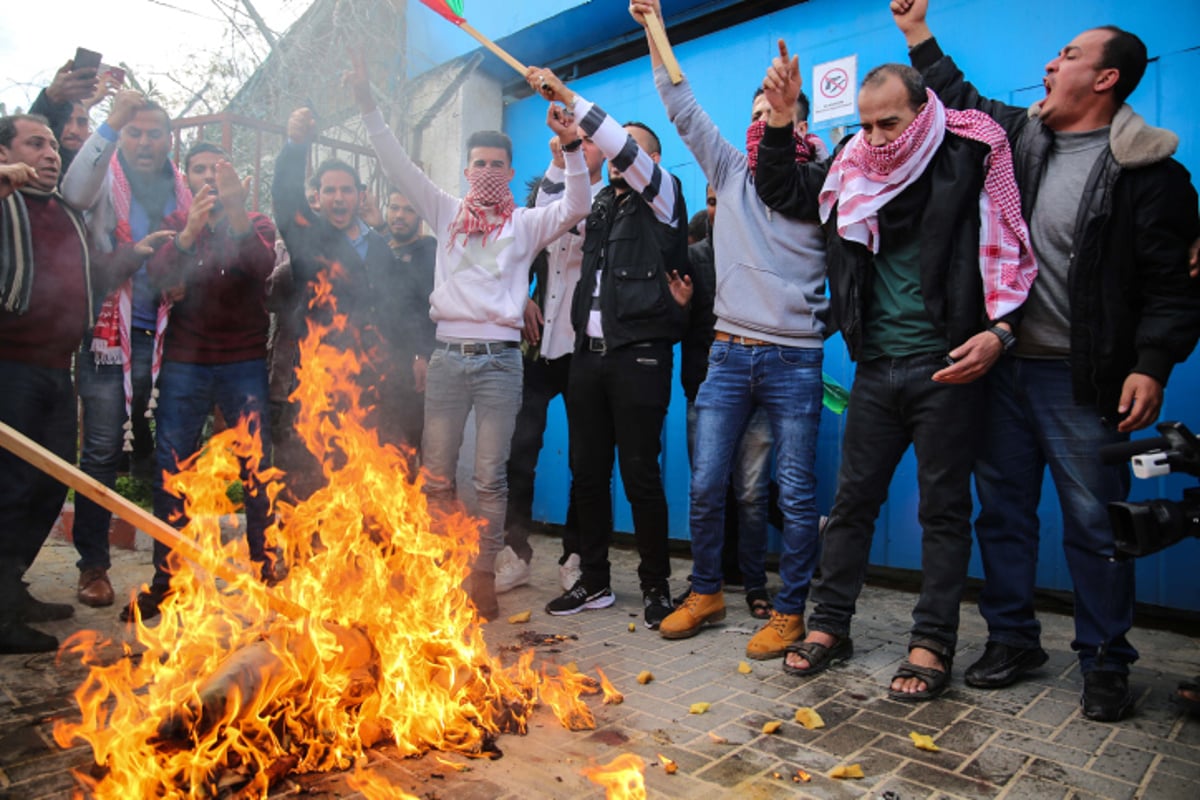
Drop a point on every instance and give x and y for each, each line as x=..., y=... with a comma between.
x=896, y=323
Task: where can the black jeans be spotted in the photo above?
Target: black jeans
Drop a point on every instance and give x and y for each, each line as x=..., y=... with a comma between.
x=894, y=403
x=40, y=403
x=619, y=399
x=543, y=380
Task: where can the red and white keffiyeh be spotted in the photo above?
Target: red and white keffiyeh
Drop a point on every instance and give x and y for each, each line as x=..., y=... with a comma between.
x=808, y=147
x=488, y=205
x=863, y=179
x=111, y=337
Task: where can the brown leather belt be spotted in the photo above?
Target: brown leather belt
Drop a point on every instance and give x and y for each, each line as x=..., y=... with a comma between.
x=721, y=336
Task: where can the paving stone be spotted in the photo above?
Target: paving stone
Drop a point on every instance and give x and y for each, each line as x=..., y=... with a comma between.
x=1023, y=742
x=941, y=780
x=1081, y=780
x=1122, y=762
x=996, y=765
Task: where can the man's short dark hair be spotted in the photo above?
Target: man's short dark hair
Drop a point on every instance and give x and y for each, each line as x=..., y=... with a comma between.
x=802, y=105
x=914, y=84
x=655, y=144
x=313, y=183
x=334, y=165
x=1125, y=53
x=150, y=105
x=8, y=126
x=197, y=149
x=698, y=226
x=490, y=139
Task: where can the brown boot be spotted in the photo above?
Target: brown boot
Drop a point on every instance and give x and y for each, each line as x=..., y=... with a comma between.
x=775, y=636
x=95, y=589
x=689, y=618
x=481, y=588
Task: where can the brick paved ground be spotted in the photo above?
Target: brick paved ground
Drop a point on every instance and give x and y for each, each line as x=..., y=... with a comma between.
x=1026, y=742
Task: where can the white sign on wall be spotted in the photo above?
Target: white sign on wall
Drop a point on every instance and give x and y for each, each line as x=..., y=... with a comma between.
x=833, y=89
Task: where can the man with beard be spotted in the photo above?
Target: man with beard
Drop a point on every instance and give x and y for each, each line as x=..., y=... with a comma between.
x=1111, y=215
x=333, y=240
x=48, y=273
x=123, y=178
x=481, y=287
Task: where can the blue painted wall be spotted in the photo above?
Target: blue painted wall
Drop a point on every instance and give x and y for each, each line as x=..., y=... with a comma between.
x=1003, y=49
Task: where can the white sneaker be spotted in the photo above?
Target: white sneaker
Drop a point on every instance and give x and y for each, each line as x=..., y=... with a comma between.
x=511, y=571
x=569, y=572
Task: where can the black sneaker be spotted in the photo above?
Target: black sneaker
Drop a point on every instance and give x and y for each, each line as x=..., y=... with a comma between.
x=17, y=637
x=580, y=599
x=1106, y=696
x=146, y=602
x=658, y=605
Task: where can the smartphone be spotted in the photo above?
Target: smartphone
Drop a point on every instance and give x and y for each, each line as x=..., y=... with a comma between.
x=85, y=59
x=116, y=73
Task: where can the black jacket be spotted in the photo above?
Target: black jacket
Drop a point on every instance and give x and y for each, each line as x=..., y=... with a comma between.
x=1133, y=306
x=693, y=361
x=315, y=245
x=636, y=253
x=404, y=290
x=941, y=207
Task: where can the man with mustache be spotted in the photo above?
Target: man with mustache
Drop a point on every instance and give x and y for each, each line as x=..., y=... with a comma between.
x=1113, y=310
x=48, y=274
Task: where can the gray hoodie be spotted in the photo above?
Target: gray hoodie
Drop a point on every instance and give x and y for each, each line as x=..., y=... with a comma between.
x=770, y=268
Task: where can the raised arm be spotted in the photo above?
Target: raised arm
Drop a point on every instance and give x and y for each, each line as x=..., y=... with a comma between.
x=287, y=185
x=432, y=204
x=84, y=182
x=787, y=187
x=941, y=73
x=552, y=220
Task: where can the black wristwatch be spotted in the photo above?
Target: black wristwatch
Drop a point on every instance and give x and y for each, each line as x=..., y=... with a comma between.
x=1006, y=337
x=573, y=146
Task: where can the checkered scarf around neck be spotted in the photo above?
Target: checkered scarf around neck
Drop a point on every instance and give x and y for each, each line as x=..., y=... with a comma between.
x=863, y=179
x=111, y=338
x=488, y=205
x=808, y=147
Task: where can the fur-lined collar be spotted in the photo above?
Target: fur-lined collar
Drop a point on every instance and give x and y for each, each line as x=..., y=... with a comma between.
x=1133, y=143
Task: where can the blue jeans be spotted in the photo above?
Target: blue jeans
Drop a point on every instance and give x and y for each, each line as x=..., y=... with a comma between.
x=786, y=382
x=895, y=404
x=40, y=403
x=491, y=384
x=751, y=478
x=1033, y=422
x=187, y=394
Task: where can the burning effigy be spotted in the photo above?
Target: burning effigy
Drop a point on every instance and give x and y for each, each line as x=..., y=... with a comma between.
x=369, y=639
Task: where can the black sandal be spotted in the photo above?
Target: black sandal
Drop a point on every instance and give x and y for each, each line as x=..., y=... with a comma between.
x=936, y=681
x=759, y=603
x=818, y=656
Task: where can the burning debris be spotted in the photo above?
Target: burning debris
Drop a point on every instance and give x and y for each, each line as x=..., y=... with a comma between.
x=371, y=638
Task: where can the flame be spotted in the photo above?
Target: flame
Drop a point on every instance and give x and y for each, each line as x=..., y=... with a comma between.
x=622, y=778
x=390, y=648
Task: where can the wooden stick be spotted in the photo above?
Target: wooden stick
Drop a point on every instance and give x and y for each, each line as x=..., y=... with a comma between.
x=495, y=48
x=659, y=34
x=22, y=446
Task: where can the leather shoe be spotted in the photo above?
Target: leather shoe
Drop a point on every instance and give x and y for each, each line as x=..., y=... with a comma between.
x=30, y=609
x=95, y=589
x=146, y=604
x=1003, y=665
x=1106, y=696
x=17, y=637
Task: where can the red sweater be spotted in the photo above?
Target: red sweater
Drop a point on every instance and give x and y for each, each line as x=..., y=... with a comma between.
x=222, y=318
x=50, y=331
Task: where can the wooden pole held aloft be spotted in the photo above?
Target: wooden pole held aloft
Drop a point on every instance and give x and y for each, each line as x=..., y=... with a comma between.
x=659, y=34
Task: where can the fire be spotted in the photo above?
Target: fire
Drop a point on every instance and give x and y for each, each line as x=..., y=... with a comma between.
x=622, y=778
x=387, y=645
